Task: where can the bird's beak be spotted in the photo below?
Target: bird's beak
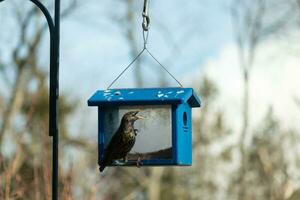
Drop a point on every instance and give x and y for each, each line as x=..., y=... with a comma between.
x=140, y=117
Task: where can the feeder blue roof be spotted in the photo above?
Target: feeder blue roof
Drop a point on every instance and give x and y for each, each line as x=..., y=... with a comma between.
x=144, y=96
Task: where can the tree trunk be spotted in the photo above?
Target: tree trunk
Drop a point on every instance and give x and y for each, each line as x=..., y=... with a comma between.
x=15, y=102
x=245, y=115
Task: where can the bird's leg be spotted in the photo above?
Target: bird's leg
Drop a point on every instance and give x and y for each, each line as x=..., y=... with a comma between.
x=139, y=161
x=125, y=159
x=136, y=132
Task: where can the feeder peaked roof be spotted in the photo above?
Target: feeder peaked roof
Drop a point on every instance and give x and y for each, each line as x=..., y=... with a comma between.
x=145, y=96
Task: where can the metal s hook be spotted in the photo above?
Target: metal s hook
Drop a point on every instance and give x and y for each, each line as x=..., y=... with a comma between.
x=146, y=18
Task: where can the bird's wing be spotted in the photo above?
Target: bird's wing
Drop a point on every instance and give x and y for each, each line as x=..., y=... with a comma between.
x=110, y=151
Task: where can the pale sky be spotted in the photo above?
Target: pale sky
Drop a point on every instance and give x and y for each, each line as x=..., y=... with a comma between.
x=274, y=82
x=94, y=50
x=205, y=44
x=97, y=50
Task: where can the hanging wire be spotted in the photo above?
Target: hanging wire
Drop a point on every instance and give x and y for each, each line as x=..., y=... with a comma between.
x=164, y=68
x=126, y=68
x=145, y=25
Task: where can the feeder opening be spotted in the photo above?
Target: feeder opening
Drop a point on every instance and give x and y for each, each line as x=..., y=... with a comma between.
x=153, y=133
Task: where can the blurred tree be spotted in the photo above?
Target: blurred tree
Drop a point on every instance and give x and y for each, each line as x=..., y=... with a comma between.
x=267, y=165
x=210, y=129
x=25, y=172
x=253, y=22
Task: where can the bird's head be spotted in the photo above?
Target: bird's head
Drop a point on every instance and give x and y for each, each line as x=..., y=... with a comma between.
x=131, y=117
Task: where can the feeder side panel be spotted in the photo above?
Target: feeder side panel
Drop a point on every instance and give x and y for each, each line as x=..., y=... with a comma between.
x=184, y=135
x=111, y=124
x=101, y=135
x=174, y=134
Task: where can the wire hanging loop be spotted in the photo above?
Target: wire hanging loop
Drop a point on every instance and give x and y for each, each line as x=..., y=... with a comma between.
x=146, y=18
x=145, y=38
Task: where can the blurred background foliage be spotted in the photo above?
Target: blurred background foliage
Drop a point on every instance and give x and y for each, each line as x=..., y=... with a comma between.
x=257, y=163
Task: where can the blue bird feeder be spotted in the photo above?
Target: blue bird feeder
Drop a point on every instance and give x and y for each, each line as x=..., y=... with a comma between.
x=165, y=135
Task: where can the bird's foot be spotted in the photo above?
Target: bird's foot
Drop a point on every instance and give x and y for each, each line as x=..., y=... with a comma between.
x=118, y=162
x=139, y=162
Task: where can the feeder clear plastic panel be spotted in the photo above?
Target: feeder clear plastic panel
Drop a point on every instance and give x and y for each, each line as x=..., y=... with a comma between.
x=154, y=132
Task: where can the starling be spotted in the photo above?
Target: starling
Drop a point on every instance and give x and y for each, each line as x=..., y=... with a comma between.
x=122, y=141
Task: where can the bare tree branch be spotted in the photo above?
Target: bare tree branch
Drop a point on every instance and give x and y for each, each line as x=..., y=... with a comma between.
x=20, y=62
x=250, y=28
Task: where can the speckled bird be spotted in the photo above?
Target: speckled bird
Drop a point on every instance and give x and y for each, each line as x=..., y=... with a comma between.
x=122, y=141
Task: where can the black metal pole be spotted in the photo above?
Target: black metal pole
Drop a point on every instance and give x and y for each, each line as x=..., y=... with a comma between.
x=56, y=87
x=54, y=28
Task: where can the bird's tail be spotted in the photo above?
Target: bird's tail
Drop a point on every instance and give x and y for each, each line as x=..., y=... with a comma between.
x=101, y=168
x=103, y=164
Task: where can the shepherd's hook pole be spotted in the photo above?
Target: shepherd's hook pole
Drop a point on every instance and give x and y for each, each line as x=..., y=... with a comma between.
x=54, y=29
x=54, y=108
